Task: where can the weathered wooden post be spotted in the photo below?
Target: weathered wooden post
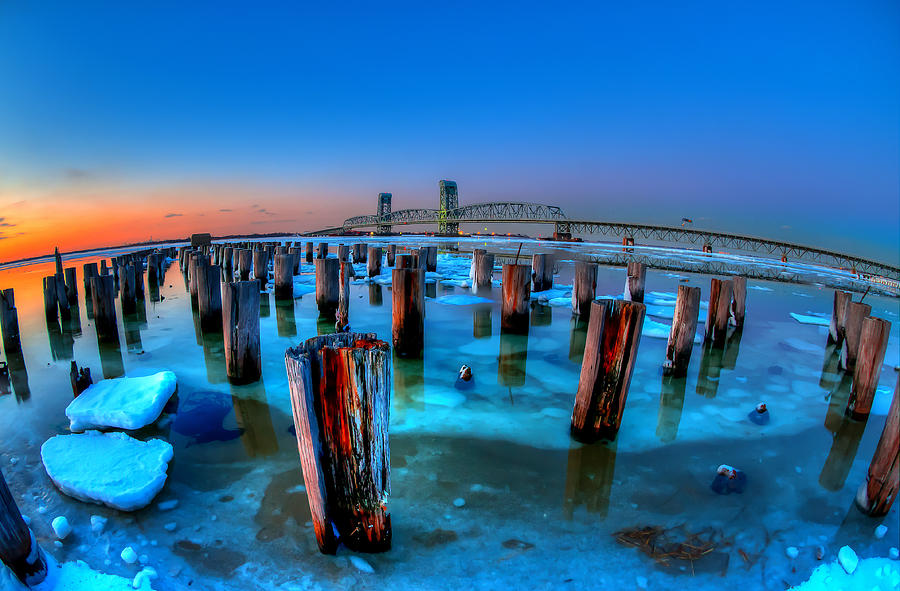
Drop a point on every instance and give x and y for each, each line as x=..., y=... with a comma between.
x=196, y=260
x=584, y=287
x=209, y=297
x=261, y=267
x=228, y=260
x=684, y=327
x=627, y=243
x=327, y=291
x=153, y=269
x=872, y=347
x=516, y=295
x=340, y=396
x=71, y=287
x=284, y=276
x=296, y=254
x=373, y=264
x=541, y=272
x=126, y=288
x=322, y=251
x=245, y=263
x=50, y=294
x=18, y=548
x=343, y=252
x=408, y=322
x=88, y=270
x=430, y=257
x=9, y=322
x=738, y=300
x=484, y=271
x=614, y=332
x=404, y=261
x=80, y=378
x=309, y=252
x=360, y=252
x=636, y=277
x=138, y=265
x=856, y=312
x=103, y=298
x=719, y=311
x=240, y=320
x=62, y=299
x=877, y=493
x=342, y=317
x=391, y=253
x=104, y=270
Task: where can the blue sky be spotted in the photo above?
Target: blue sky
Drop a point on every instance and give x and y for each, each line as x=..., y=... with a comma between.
x=779, y=119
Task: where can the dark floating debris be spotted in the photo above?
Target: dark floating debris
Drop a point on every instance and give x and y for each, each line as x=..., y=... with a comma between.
x=514, y=544
x=663, y=544
x=464, y=381
x=728, y=480
x=759, y=415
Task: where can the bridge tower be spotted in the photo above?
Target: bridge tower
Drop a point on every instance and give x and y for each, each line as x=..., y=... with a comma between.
x=384, y=211
x=449, y=201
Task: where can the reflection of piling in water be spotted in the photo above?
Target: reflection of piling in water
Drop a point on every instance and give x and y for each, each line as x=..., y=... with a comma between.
x=111, y=363
x=409, y=383
x=831, y=373
x=61, y=342
x=132, y=333
x=376, y=298
x=578, y=337
x=710, y=370
x=251, y=411
x=18, y=375
x=265, y=304
x=732, y=348
x=541, y=315
x=214, y=358
x=512, y=359
x=104, y=307
x=324, y=325
x=431, y=289
x=671, y=403
x=285, y=320
x=843, y=452
x=589, y=477
x=482, y=325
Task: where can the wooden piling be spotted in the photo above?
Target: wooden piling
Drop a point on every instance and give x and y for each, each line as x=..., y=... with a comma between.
x=614, y=332
x=62, y=298
x=391, y=253
x=635, y=279
x=127, y=289
x=309, y=252
x=719, y=311
x=322, y=251
x=584, y=288
x=340, y=389
x=261, y=267
x=80, y=378
x=71, y=287
x=50, y=295
x=484, y=271
x=138, y=264
x=18, y=549
x=103, y=299
x=541, y=272
x=516, y=295
x=104, y=270
x=327, y=290
x=872, y=347
x=856, y=312
x=403, y=261
x=228, y=260
x=877, y=493
x=839, y=310
x=342, y=316
x=240, y=320
x=284, y=276
x=738, y=299
x=296, y=255
x=373, y=261
x=684, y=328
x=9, y=322
x=245, y=263
x=428, y=254
x=360, y=252
x=408, y=300
x=209, y=297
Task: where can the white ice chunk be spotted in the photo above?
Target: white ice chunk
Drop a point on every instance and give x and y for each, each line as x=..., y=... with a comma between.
x=146, y=575
x=880, y=531
x=361, y=564
x=816, y=320
x=61, y=527
x=848, y=559
x=125, y=403
x=460, y=299
x=112, y=469
x=658, y=330
x=129, y=556
x=97, y=524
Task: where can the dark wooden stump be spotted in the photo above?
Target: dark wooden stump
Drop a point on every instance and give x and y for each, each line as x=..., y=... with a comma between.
x=342, y=316
x=245, y=263
x=541, y=272
x=88, y=270
x=62, y=299
x=322, y=250
x=284, y=276
x=872, y=347
x=127, y=289
x=484, y=271
x=9, y=322
x=103, y=300
x=360, y=252
x=719, y=311
x=50, y=295
x=403, y=261
x=856, y=313
x=296, y=254
x=240, y=319
x=309, y=252
x=209, y=298
x=614, y=332
x=877, y=493
x=584, y=288
x=428, y=256
x=516, y=295
x=261, y=267
x=373, y=262
x=71, y=287
x=340, y=395
x=408, y=317
x=635, y=279
x=327, y=285
x=80, y=378
x=391, y=253
x=18, y=548
x=684, y=328
x=738, y=299
x=839, y=310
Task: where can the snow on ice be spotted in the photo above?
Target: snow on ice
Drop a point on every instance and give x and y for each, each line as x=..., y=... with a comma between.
x=124, y=403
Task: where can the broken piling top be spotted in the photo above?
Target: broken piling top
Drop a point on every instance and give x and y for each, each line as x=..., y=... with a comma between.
x=340, y=388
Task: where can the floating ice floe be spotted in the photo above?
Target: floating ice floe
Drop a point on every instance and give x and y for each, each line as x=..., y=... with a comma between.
x=461, y=299
x=72, y=576
x=817, y=320
x=759, y=288
x=124, y=403
x=111, y=469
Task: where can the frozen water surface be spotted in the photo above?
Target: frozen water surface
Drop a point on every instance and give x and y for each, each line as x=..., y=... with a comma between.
x=539, y=511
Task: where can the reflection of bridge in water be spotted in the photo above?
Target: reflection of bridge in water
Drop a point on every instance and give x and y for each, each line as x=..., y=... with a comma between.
x=449, y=216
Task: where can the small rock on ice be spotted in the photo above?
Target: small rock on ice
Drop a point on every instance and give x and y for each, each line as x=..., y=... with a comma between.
x=97, y=523
x=848, y=559
x=170, y=526
x=147, y=573
x=880, y=531
x=61, y=527
x=459, y=502
x=361, y=564
x=129, y=556
x=894, y=553
x=167, y=505
x=792, y=552
x=126, y=403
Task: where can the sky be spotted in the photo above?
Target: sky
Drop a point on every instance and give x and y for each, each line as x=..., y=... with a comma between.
x=123, y=122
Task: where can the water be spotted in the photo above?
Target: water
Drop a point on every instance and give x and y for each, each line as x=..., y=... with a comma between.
x=539, y=510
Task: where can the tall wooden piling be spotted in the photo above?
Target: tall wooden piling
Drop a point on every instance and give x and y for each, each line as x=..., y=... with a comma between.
x=309, y=252
x=342, y=316
x=138, y=264
x=408, y=321
x=839, y=310
x=62, y=299
x=391, y=253
x=127, y=288
x=284, y=276
x=261, y=267
x=373, y=261
x=877, y=493
x=738, y=299
x=516, y=295
x=403, y=261
x=484, y=271
x=103, y=298
x=856, y=313
x=9, y=322
x=684, y=328
x=635, y=279
x=541, y=272
x=322, y=250
x=245, y=263
x=153, y=277
x=87, y=271
x=719, y=311
x=340, y=389
x=872, y=347
x=228, y=261
x=584, y=288
x=50, y=296
x=360, y=252
x=428, y=258
x=296, y=255
x=614, y=332
x=209, y=297
x=327, y=290
x=71, y=287
x=240, y=327
x=104, y=270
x=18, y=549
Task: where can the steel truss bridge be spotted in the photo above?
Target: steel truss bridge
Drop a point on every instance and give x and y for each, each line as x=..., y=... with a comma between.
x=536, y=213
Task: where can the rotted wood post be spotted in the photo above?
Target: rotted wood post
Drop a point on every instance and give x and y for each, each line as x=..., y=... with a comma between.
x=516, y=295
x=138, y=264
x=71, y=287
x=245, y=263
x=153, y=269
x=408, y=318
x=240, y=320
x=391, y=253
x=9, y=322
x=309, y=252
x=877, y=493
x=614, y=332
x=50, y=296
x=261, y=267
x=839, y=310
x=484, y=271
x=327, y=291
x=18, y=548
x=738, y=299
x=719, y=311
x=584, y=288
x=343, y=252
x=403, y=261
x=296, y=255
x=209, y=297
x=635, y=279
x=228, y=260
x=62, y=298
x=322, y=250
x=429, y=254
x=872, y=347
x=104, y=270
x=342, y=316
x=684, y=327
x=541, y=272
x=284, y=276
x=80, y=378
x=856, y=313
x=196, y=260
x=360, y=252
x=373, y=261
x=340, y=389
x=103, y=298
